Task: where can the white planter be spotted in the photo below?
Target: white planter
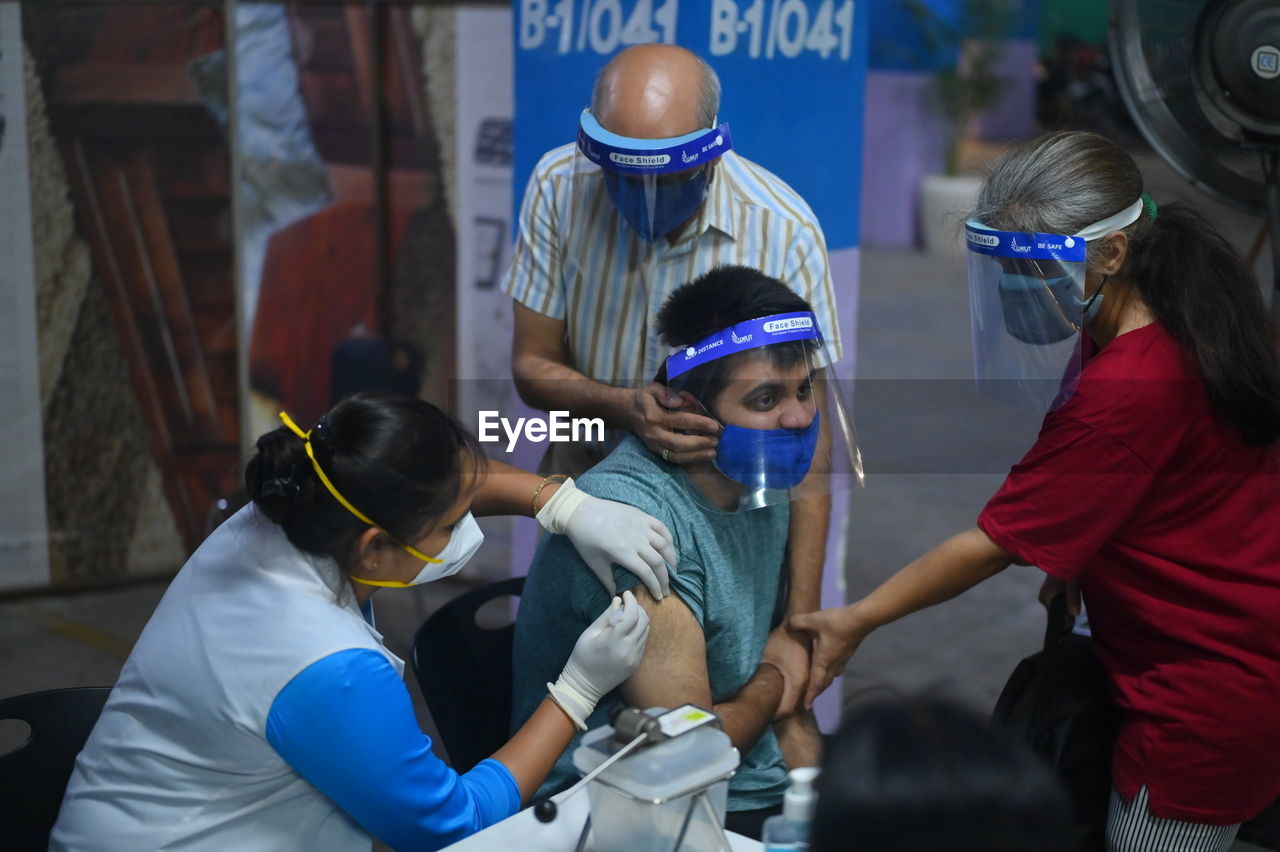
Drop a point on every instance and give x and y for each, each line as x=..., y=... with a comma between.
x=945, y=201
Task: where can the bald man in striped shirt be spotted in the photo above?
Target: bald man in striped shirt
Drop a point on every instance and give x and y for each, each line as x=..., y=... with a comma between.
x=587, y=287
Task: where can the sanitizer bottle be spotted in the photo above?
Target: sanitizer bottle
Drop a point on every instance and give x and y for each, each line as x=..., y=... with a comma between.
x=789, y=832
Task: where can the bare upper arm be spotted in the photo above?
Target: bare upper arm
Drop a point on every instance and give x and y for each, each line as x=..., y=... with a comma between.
x=538, y=335
x=674, y=668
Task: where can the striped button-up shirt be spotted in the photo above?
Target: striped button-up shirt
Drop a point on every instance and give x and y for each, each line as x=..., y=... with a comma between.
x=577, y=260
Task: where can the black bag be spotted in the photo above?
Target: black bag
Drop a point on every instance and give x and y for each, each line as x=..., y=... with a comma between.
x=1058, y=702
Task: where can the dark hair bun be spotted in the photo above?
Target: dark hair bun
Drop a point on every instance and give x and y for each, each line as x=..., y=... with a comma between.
x=279, y=479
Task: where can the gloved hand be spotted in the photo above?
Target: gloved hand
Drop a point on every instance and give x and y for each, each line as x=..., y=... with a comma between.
x=607, y=653
x=605, y=532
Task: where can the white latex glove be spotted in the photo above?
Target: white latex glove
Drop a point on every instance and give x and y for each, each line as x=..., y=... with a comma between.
x=607, y=653
x=605, y=532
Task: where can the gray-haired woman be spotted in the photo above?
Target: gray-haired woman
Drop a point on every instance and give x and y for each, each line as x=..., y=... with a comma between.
x=1154, y=484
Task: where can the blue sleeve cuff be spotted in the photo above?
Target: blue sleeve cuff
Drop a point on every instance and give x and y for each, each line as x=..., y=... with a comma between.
x=346, y=724
x=494, y=789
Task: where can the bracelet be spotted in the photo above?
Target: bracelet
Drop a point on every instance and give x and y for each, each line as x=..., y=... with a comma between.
x=558, y=477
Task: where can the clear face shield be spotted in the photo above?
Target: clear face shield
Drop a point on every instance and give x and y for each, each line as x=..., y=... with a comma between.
x=647, y=188
x=1028, y=305
x=787, y=431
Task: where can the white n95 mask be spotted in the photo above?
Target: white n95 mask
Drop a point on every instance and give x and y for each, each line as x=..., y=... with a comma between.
x=463, y=544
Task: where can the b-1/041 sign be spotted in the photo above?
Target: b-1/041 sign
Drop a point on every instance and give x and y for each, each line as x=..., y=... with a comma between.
x=595, y=26
x=785, y=28
x=762, y=29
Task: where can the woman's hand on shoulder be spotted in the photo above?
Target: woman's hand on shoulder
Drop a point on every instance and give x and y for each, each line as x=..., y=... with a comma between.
x=606, y=533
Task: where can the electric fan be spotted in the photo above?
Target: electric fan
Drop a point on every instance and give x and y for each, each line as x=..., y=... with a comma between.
x=1202, y=82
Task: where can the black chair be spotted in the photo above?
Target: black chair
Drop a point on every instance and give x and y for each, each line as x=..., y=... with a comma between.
x=34, y=776
x=464, y=672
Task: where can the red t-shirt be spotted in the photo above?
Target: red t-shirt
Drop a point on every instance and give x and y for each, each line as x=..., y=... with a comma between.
x=1171, y=523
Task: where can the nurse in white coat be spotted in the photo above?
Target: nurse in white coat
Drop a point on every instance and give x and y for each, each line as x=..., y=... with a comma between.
x=260, y=709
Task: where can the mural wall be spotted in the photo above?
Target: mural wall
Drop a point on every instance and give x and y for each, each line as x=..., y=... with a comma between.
x=129, y=193
x=163, y=303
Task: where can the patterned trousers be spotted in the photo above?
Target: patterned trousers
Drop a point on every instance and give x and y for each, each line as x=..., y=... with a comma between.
x=1132, y=828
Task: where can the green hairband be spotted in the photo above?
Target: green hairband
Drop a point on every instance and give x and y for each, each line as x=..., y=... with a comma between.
x=1150, y=205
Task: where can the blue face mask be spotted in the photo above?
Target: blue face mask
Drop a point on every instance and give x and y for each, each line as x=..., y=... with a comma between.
x=672, y=203
x=1043, y=311
x=767, y=458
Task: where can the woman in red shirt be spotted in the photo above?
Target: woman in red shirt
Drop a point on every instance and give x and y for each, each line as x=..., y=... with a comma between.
x=1154, y=485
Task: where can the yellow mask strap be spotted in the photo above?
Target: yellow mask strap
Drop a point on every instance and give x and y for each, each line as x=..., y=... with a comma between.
x=306, y=440
x=383, y=584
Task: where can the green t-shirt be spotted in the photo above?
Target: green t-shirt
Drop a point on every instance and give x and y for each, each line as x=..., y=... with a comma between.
x=728, y=575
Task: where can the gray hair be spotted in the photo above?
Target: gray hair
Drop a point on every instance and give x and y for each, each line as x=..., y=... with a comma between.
x=1061, y=183
x=708, y=96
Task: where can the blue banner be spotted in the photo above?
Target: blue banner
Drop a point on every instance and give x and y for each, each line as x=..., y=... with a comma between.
x=792, y=73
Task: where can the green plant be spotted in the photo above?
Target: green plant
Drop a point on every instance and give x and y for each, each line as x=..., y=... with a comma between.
x=971, y=84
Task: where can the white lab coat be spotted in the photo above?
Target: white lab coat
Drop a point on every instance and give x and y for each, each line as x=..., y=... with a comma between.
x=179, y=759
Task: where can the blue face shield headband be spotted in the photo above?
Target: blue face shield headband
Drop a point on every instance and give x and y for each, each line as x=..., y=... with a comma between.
x=643, y=179
x=1029, y=304
x=758, y=458
x=1041, y=289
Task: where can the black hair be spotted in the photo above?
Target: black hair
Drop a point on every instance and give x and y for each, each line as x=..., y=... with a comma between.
x=396, y=458
x=1204, y=295
x=927, y=775
x=715, y=300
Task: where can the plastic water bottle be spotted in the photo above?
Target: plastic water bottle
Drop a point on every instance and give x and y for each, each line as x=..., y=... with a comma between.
x=789, y=831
